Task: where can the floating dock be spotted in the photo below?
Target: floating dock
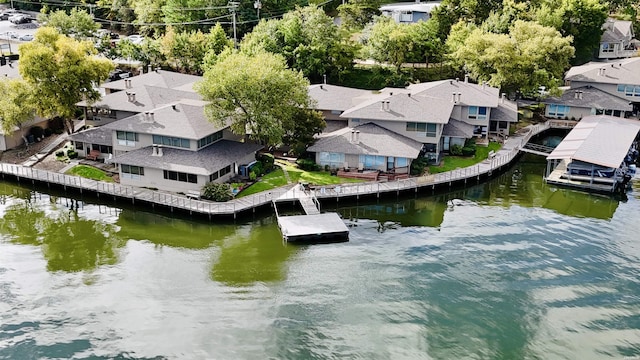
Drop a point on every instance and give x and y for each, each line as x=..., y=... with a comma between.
x=313, y=226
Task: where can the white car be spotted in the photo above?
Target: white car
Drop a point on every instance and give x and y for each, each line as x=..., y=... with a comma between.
x=26, y=37
x=136, y=39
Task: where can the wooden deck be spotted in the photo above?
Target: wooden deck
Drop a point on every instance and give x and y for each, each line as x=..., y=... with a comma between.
x=172, y=201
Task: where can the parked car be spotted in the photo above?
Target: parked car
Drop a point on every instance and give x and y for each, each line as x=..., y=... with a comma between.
x=119, y=74
x=9, y=35
x=136, y=39
x=5, y=15
x=20, y=19
x=26, y=37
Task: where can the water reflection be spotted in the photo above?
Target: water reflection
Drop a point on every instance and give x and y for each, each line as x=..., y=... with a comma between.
x=256, y=254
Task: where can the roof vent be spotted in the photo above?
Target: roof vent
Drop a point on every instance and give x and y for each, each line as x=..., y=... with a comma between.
x=173, y=106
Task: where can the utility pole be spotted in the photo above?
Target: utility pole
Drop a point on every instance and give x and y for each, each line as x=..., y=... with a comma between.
x=233, y=7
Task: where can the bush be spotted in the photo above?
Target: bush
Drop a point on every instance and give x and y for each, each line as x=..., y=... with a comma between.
x=252, y=176
x=257, y=168
x=418, y=165
x=47, y=132
x=267, y=161
x=468, y=151
x=327, y=168
x=72, y=154
x=216, y=191
x=37, y=132
x=308, y=165
x=455, y=150
x=59, y=153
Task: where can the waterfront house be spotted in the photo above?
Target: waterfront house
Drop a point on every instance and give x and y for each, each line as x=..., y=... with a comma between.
x=620, y=78
x=409, y=12
x=576, y=103
x=617, y=40
x=366, y=147
x=438, y=114
x=333, y=100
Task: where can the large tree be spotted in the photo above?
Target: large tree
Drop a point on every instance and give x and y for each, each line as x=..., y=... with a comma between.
x=258, y=93
x=16, y=104
x=62, y=72
x=77, y=22
x=389, y=42
x=356, y=14
x=530, y=56
x=307, y=38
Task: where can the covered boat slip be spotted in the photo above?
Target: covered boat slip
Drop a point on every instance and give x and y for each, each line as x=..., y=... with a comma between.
x=595, y=155
x=313, y=226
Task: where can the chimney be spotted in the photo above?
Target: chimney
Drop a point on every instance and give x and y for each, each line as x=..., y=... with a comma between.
x=151, y=116
x=576, y=95
x=504, y=96
x=146, y=116
x=353, y=136
x=466, y=78
x=580, y=94
x=324, y=78
x=453, y=98
x=388, y=104
x=321, y=87
x=149, y=68
x=382, y=105
x=159, y=150
x=357, y=136
x=484, y=85
x=457, y=79
x=154, y=150
x=459, y=95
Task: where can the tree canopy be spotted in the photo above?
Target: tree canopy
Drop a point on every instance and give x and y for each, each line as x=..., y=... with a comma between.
x=77, y=22
x=530, y=56
x=257, y=93
x=62, y=72
x=16, y=104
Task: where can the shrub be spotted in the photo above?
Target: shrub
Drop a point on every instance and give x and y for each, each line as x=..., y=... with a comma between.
x=47, y=132
x=37, y=132
x=216, y=191
x=258, y=169
x=252, y=176
x=455, y=150
x=59, y=153
x=327, y=168
x=468, y=151
x=308, y=165
x=418, y=165
x=72, y=154
x=267, y=161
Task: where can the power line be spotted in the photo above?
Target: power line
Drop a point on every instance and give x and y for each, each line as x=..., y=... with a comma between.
x=197, y=22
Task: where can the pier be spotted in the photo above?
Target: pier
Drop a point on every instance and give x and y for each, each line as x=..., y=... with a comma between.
x=181, y=202
x=312, y=226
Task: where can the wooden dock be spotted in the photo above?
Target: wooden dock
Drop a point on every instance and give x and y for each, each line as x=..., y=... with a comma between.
x=174, y=201
x=313, y=226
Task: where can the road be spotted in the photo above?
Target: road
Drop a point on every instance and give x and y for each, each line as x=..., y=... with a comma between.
x=8, y=27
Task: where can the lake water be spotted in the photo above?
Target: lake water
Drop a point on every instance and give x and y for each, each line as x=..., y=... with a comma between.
x=509, y=269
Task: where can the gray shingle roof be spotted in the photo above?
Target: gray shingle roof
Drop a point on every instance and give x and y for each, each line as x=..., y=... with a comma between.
x=96, y=135
x=332, y=97
x=456, y=128
x=507, y=111
x=146, y=98
x=591, y=98
x=203, y=162
x=372, y=140
x=403, y=107
x=159, y=78
x=622, y=71
x=185, y=119
x=470, y=94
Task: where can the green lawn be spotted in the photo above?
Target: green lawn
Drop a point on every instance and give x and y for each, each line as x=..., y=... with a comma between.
x=89, y=172
x=276, y=179
x=453, y=162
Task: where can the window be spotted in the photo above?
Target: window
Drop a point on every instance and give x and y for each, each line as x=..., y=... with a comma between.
x=402, y=162
x=431, y=130
x=224, y=171
x=336, y=112
x=171, y=141
x=331, y=159
x=427, y=129
x=478, y=112
x=105, y=149
x=629, y=90
x=79, y=145
x=180, y=176
x=372, y=161
x=209, y=139
x=558, y=110
x=126, y=138
x=607, y=48
x=214, y=176
x=131, y=172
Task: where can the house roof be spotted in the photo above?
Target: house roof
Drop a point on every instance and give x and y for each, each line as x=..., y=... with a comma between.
x=470, y=94
x=96, y=135
x=185, y=119
x=591, y=98
x=403, y=107
x=202, y=162
x=146, y=98
x=371, y=140
x=600, y=140
x=456, y=128
x=426, y=7
x=159, y=78
x=621, y=71
x=333, y=97
x=616, y=30
x=506, y=111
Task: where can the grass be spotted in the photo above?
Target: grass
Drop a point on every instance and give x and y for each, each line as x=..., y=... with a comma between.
x=89, y=172
x=276, y=179
x=454, y=162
